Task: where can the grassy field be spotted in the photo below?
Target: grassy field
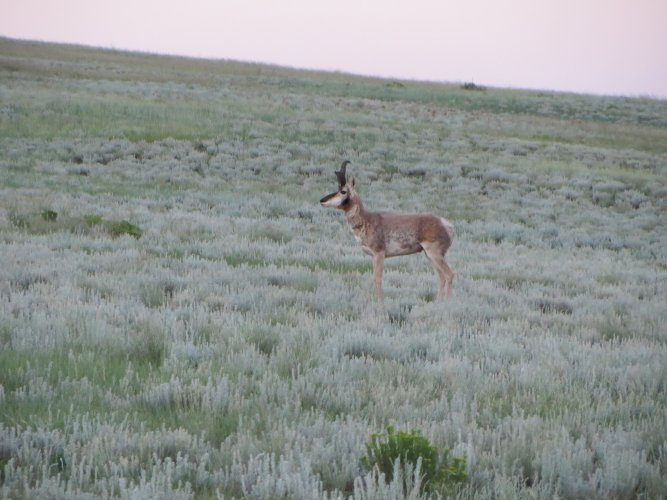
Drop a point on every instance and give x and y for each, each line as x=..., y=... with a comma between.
x=180, y=318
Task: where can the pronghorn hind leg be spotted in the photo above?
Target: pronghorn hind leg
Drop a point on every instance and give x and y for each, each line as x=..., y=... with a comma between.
x=442, y=280
x=449, y=277
x=444, y=272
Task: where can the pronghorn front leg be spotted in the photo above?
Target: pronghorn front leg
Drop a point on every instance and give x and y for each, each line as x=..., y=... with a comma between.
x=378, y=263
x=444, y=272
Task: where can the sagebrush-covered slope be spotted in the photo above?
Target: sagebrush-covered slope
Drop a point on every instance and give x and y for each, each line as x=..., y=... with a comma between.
x=234, y=346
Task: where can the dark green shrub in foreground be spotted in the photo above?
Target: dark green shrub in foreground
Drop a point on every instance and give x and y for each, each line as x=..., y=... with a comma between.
x=438, y=469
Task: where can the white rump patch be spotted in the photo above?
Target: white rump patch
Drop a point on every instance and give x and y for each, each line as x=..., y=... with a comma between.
x=449, y=227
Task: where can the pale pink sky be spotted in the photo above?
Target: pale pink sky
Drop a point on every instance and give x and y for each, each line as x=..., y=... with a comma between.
x=598, y=46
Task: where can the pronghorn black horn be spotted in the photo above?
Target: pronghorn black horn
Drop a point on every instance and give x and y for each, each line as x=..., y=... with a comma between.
x=341, y=174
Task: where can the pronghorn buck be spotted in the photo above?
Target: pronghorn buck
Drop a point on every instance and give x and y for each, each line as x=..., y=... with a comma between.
x=384, y=234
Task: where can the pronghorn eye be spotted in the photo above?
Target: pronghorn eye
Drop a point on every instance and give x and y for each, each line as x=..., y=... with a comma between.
x=343, y=191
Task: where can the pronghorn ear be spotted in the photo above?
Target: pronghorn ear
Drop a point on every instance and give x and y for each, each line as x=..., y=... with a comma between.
x=352, y=182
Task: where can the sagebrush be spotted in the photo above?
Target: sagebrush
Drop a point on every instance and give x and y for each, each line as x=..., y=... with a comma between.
x=234, y=348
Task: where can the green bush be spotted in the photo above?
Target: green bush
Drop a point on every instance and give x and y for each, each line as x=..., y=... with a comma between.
x=472, y=86
x=49, y=215
x=92, y=219
x=119, y=228
x=438, y=470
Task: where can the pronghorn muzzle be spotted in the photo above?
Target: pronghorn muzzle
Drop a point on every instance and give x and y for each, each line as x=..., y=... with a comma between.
x=328, y=197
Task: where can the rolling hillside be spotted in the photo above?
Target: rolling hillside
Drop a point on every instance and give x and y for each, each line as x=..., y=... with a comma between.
x=180, y=318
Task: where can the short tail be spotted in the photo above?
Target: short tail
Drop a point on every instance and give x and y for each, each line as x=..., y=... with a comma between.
x=449, y=227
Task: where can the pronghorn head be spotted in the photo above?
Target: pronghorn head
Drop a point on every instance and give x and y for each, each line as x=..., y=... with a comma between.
x=341, y=198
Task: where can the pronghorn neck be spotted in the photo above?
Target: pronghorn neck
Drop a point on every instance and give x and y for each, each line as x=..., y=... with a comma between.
x=354, y=209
